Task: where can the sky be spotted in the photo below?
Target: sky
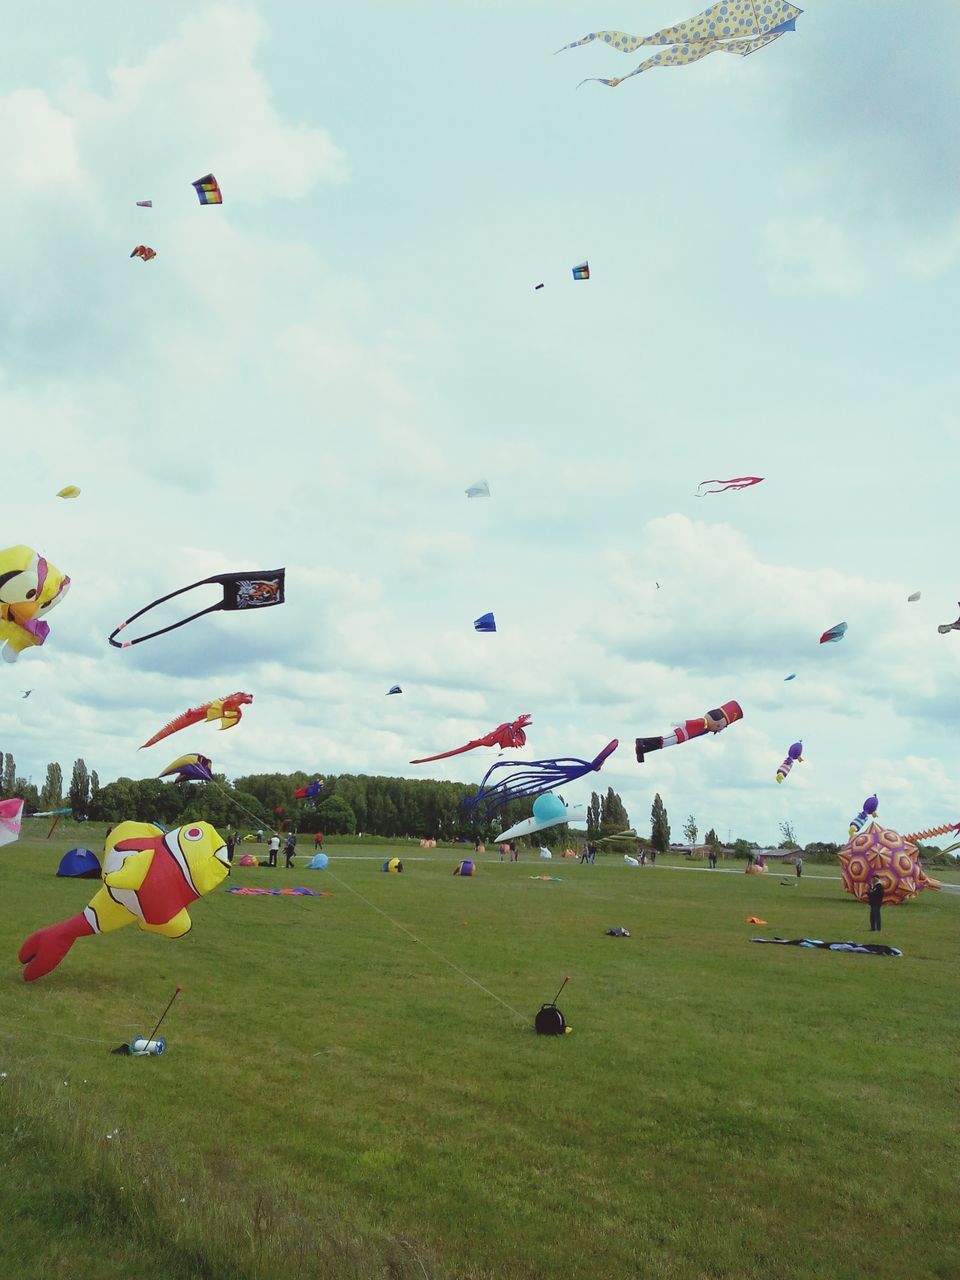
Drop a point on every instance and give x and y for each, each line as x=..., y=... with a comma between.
x=311, y=374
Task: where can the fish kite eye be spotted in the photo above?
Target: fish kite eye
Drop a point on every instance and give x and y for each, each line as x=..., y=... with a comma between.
x=193, y=833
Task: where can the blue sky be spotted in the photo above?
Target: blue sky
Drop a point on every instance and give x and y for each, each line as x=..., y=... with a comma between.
x=312, y=374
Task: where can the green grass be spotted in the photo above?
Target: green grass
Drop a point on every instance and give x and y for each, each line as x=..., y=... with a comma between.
x=337, y=1101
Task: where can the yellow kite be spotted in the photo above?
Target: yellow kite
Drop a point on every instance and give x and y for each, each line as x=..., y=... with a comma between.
x=739, y=26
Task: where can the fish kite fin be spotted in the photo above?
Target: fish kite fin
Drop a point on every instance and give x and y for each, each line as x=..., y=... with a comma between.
x=45, y=948
x=174, y=928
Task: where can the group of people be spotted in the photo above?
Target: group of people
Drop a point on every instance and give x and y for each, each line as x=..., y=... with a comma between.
x=273, y=847
x=509, y=851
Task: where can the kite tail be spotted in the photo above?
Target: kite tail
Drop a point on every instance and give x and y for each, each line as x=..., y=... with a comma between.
x=577, y=43
x=444, y=754
x=933, y=831
x=193, y=716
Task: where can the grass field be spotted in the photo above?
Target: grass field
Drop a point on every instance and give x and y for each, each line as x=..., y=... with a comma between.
x=338, y=1100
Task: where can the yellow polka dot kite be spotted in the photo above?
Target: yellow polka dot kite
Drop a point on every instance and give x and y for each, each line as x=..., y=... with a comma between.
x=739, y=26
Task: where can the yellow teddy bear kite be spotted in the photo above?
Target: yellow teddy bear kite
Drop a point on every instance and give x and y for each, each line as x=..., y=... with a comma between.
x=30, y=587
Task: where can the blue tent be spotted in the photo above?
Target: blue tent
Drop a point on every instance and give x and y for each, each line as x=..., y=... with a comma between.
x=82, y=864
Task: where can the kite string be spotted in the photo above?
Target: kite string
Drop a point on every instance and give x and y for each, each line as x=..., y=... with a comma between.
x=242, y=806
x=433, y=951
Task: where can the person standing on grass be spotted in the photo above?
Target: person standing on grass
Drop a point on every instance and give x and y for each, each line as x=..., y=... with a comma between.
x=875, y=898
x=274, y=849
x=799, y=865
x=318, y=842
x=289, y=850
x=231, y=845
x=514, y=852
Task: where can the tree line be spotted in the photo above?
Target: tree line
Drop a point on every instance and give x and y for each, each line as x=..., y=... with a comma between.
x=345, y=804
x=350, y=804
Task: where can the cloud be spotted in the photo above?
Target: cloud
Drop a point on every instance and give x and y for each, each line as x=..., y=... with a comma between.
x=811, y=256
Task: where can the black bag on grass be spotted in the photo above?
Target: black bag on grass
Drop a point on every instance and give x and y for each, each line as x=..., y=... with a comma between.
x=550, y=1021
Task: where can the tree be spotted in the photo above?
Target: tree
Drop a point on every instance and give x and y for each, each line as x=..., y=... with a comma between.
x=52, y=793
x=337, y=816
x=615, y=818
x=659, y=826
x=789, y=840
x=80, y=789
x=93, y=809
x=9, y=775
x=741, y=847
x=690, y=830
x=28, y=793
x=594, y=814
x=712, y=839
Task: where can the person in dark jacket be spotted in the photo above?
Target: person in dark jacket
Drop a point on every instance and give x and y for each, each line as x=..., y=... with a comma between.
x=875, y=898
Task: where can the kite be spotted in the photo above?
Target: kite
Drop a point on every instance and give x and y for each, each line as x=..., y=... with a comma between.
x=149, y=876
x=537, y=286
x=834, y=634
x=864, y=816
x=879, y=853
x=548, y=811
x=930, y=832
x=144, y=252
x=945, y=627
x=582, y=271
x=30, y=587
x=713, y=722
x=794, y=756
x=792, y=676
x=249, y=891
x=69, y=491
x=393, y=866
x=479, y=490
x=393, y=689
x=226, y=710
x=254, y=589
x=11, y=815
x=504, y=781
x=191, y=768
x=144, y=204
x=309, y=791
x=27, y=693
x=737, y=26
x=858, y=948
x=738, y=482
x=485, y=623
x=506, y=735
x=911, y=599
x=208, y=190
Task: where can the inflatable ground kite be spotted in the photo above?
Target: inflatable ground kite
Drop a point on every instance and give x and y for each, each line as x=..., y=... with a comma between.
x=149, y=878
x=880, y=853
x=858, y=948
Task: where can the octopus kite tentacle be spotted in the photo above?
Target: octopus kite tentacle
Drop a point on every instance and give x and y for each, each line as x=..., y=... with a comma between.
x=530, y=778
